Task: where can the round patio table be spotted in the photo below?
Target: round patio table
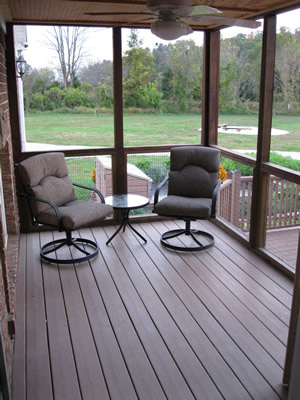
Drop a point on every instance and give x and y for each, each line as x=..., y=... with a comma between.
x=125, y=203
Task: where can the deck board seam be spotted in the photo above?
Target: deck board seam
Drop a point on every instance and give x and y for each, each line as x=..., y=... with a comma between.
x=229, y=335
x=180, y=330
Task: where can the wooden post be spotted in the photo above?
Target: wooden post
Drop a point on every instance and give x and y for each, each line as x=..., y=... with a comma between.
x=119, y=164
x=260, y=178
x=294, y=320
x=235, y=198
x=210, y=89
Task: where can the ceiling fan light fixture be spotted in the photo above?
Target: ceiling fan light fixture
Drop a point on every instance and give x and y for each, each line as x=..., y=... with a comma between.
x=170, y=30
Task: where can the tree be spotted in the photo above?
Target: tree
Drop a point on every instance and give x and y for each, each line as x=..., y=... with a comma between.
x=139, y=63
x=68, y=43
x=97, y=73
x=287, y=74
x=35, y=83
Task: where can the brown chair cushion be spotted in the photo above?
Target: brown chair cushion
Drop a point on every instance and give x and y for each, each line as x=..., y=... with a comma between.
x=184, y=207
x=46, y=176
x=76, y=214
x=193, y=171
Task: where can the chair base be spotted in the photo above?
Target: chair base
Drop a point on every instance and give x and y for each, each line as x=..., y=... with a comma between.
x=78, y=243
x=210, y=241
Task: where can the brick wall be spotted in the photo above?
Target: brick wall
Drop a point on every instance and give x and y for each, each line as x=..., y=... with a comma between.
x=9, y=250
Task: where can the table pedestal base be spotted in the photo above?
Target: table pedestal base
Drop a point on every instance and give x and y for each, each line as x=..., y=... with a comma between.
x=124, y=223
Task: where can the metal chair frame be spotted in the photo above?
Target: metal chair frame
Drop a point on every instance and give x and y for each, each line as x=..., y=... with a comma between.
x=187, y=230
x=80, y=244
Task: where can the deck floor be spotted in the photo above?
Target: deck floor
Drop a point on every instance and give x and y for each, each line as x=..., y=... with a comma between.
x=144, y=322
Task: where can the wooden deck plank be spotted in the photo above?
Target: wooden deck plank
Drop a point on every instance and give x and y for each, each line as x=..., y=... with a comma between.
x=19, y=371
x=143, y=322
x=222, y=376
x=164, y=366
x=63, y=368
x=39, y=383
x=248, y=267
x=89, y=368
x=190, y=366
x=231, y=301
x=114, y=365
x=220, y=276
x=258, y=262
x=215, y=317
x=243, y=272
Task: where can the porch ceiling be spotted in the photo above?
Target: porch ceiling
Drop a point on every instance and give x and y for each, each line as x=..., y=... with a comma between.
x=74, y=11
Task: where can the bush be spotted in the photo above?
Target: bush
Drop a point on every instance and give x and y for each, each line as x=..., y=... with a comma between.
x=240, y=108
x=144, y=164
x=231, y=165
x=245, y=170
x=286, y=162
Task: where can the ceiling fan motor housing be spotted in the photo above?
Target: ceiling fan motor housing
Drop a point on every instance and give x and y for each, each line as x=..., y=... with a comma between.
x=167, y=5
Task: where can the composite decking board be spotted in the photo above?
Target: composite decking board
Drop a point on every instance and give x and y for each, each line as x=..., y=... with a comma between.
x=162, y=361
x=243, y=275
x=63, y=368
x=270, y=285
x=114, y=366
x=222, y=376
x=209, y=266
x=237, y=271
x=145, y=380
x=280, y=279
x=19, y=370
x=132, y=336
x=88, y=366
x=253, y=325
x=240, y=353
x=190, y=366
x=39, y=382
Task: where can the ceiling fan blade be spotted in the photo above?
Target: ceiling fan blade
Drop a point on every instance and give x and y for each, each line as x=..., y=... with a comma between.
x=196, y=10
x=186, y=12
x=219, y=20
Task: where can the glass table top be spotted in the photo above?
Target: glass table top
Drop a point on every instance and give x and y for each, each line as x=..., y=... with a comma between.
x=127, y=201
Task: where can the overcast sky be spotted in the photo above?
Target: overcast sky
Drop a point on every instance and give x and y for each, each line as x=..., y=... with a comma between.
x=99, y=45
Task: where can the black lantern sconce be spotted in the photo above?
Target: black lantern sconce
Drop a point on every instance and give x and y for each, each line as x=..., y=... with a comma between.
x=21, y=65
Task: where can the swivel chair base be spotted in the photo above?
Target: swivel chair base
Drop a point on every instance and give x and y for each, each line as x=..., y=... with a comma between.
x=209, y=239
x=79, y=243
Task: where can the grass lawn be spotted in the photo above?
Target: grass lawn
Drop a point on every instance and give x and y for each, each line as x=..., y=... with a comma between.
x=151, y=129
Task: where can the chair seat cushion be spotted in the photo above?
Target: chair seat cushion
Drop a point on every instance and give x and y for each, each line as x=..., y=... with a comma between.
x=178, y=206
x=76, y=213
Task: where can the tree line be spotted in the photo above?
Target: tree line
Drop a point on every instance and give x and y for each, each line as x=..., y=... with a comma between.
x=167, y=78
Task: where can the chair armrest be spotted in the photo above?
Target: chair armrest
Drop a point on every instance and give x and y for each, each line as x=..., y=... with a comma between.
x=162, y=183
x=50, y=203
x=214, y=200
x=93, y=189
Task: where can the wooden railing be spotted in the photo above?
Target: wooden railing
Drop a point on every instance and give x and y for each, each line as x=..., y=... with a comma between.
x=234, y=202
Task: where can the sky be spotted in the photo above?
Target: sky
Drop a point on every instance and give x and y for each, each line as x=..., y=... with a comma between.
x=99, y=44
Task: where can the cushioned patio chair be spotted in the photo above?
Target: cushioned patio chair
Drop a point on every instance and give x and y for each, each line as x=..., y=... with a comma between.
x=52, y=201
x=193, y=184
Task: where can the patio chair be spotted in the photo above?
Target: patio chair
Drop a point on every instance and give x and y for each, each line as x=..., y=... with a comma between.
x=193, y=184
x=52, y=201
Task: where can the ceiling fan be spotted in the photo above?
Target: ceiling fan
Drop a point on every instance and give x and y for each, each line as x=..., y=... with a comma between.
x=169, y=16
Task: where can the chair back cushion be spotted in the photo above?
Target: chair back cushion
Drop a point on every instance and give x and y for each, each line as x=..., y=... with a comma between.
x=46, y=176
x=194, y=171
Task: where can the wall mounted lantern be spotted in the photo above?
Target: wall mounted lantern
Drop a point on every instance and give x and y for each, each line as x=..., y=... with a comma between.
x=21, y=65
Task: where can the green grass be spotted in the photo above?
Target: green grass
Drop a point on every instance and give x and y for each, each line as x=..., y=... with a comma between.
x=151, y=129
x=81, y=171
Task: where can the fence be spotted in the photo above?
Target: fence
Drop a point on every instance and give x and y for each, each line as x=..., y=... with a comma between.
x=234, y=202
